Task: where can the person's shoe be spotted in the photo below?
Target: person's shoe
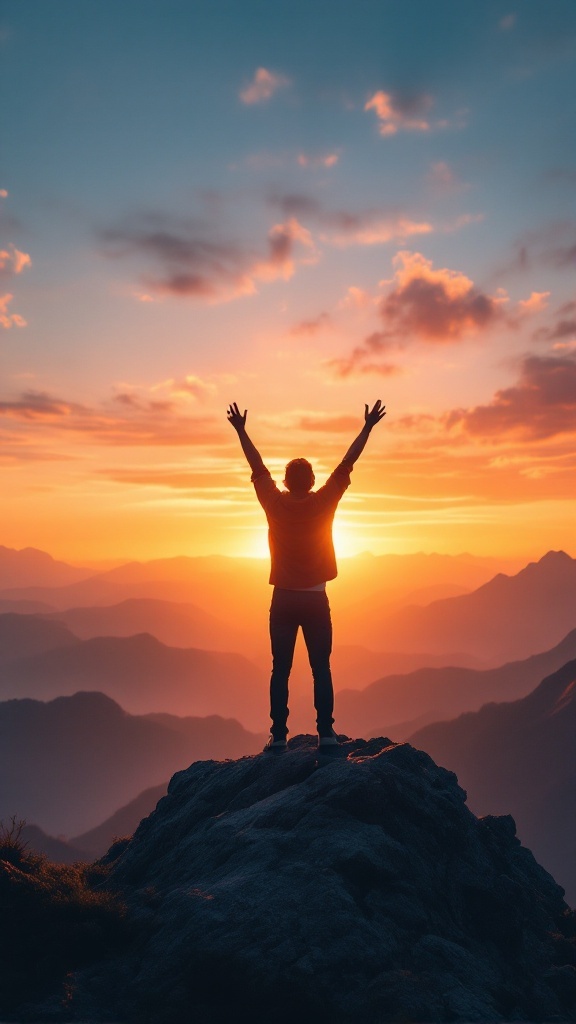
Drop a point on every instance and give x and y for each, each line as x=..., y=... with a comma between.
x=327, y=738
x=275, y=745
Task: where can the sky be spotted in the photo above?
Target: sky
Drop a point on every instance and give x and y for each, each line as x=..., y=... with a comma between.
x=301, y=207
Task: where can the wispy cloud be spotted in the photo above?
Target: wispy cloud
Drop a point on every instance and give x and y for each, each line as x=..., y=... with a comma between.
x=564, y=327
x=553, y=245
x=318, y=160
x=187, y=262
x=266, y=160
x=130, y=419
x=347, y=227
x=357, y=363
x=312, y=326
x=507, y=22
x=443, y=178
x=264, y=85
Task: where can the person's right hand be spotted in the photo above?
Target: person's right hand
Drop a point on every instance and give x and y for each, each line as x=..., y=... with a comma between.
x=375, y=414
x=236, y=418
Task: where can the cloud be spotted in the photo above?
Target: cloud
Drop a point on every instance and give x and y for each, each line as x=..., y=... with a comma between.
x=312, y=326
x=423, y=304
x=189, y=386
x=8, y=320
x=541, y=405
x=356, y=364
x=396, y=113
x=507, y=22
x=131, y=419
x=438, y=306
x=3, y=193
x=442, y=177
x=379, y=231
x=565, y=326
x=343, y=227
x=535, y=304
x=263, y=86
x=37, y=405
x=13, y=261
x=553, y=245
x=357, y=298
x=325, y=160
x=187, y=263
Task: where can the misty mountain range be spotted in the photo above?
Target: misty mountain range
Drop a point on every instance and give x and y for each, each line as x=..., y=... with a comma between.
x=69, y=763
x=153, y=638
x=520, y=758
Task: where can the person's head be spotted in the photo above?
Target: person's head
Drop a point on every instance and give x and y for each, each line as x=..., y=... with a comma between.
x=299, y=477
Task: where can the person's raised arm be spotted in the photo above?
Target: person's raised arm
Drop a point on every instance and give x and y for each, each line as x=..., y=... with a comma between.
x=238, y=421
x=371, y=418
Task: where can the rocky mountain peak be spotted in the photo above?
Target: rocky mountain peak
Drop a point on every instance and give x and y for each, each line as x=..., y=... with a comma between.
x=351, y=888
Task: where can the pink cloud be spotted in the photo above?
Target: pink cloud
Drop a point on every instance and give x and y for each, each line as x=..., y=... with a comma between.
x=507, y=22
x=400, y=114
x=357, y=298
x=356, y=363
x=565, y=326
x=345, y=227
x=281, y=259
x=379, y=231
x=435, y=305
x=535, y=304
x=8, y=320
x=312, y=326
x=189, y=264
x=130, y=420
x=13, y=261
x=263, y=86
x=541, y=405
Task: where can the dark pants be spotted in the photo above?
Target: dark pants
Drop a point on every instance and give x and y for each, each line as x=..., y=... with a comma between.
x=310, y=610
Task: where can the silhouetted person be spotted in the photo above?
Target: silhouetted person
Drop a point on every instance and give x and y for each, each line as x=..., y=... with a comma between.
x=303, y=560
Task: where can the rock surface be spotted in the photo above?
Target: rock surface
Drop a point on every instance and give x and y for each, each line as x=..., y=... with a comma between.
x=349, y=888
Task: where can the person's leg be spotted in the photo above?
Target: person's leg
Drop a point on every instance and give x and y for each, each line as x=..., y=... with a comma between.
x=283, y=631
x=317, y=630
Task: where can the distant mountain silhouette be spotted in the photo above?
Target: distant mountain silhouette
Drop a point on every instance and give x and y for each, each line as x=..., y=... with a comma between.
x=520, y=758
x=31, y=567
x=507, y=618
x=57, y=850
x=25, y=607
x=144, y=675
x=402, y=703
x=24, y=635
x=122, y=823
x=359, y=888
x=68, y=764
x=176, y=624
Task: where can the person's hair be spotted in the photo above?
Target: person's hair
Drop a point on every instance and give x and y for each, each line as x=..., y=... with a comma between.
x=299, y=476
